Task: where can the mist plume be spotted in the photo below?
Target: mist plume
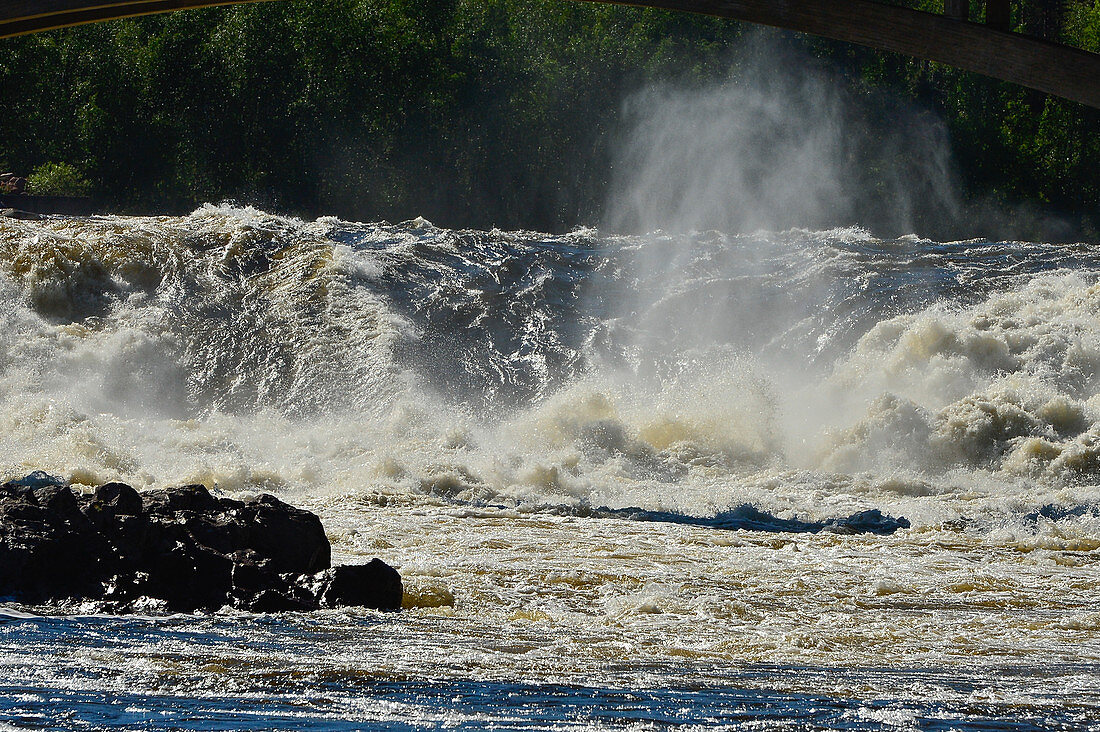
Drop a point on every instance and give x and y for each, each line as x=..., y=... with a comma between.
x=781, y=143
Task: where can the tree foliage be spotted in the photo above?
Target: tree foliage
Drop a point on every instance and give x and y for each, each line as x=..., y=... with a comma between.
x=471, y=112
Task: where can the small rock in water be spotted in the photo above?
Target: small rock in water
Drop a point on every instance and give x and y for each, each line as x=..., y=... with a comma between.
x=181, y=546
x=38, y=479
x=375, y=585
x=872, y=521
x=14, y=213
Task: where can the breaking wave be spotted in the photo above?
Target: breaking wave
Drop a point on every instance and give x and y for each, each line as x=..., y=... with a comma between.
x=813, y=375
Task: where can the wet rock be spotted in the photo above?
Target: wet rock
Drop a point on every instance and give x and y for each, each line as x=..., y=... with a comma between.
x=10, y=183
x=290, y=540
x=48, y=548
x=182, y=498
x=181, y=546
x=188, y=578
x=274, y=601
x=261, y=591
x=747, y=517
x=19, y=215
x=37, y=479
x=375, y=585
x=872, y=521
x=117, y=498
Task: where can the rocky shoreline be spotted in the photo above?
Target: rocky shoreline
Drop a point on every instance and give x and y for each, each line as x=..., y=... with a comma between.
x=176, y=549
x=23, y=206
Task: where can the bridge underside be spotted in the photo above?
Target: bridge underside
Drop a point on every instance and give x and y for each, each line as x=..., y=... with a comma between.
x=1048, y=67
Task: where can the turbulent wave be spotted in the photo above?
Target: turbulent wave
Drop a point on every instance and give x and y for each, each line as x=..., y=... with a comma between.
x=812, y=374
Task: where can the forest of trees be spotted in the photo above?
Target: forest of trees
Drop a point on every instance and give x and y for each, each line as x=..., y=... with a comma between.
x=472, y=112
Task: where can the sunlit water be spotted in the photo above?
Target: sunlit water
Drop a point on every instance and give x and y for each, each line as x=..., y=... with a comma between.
x=477, y=408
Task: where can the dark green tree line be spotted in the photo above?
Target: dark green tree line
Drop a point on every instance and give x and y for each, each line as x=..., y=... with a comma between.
x=479, y=112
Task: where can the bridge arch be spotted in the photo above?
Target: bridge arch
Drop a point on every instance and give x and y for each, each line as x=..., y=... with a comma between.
x=990, y=50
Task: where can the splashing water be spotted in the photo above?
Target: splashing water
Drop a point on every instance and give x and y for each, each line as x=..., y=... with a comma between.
x=546, y=434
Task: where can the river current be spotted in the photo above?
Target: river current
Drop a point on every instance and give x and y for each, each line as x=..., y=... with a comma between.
x=613, y=471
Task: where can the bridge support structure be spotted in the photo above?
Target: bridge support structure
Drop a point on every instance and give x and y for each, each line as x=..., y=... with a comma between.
x=998, y=14
x=957, y=9
x=1054, y=68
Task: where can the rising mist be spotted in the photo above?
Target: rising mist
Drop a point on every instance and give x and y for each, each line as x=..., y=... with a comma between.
x=781, y=143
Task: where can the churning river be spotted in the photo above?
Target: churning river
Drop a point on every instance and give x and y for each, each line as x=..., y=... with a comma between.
x=624, y=478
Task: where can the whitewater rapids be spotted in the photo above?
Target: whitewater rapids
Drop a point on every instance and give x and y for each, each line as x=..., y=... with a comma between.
x=465, y=405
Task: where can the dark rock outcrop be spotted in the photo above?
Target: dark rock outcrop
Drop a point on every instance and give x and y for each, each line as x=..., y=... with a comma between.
x=182, y=546
x=12, y=183
x=375, y=584
x=747, y=517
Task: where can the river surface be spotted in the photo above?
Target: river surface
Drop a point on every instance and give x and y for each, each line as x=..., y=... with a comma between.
x=615, y=473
